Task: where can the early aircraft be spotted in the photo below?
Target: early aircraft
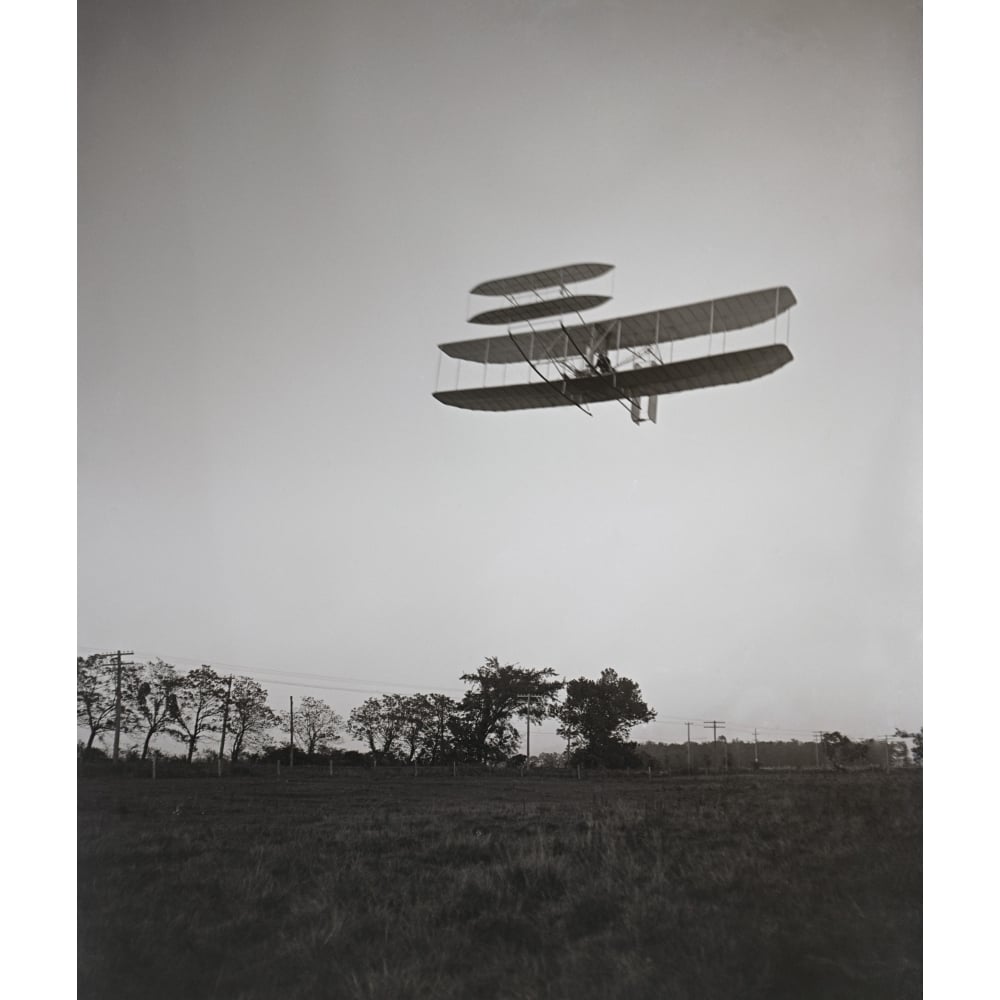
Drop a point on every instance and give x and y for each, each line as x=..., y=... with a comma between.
x=610, y=359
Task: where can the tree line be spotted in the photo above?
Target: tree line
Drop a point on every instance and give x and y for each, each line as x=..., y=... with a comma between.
x=830, y=750
x=229, y=712
x=203, y=708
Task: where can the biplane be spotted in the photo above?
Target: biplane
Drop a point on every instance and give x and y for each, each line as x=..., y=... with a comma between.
x=579, y=363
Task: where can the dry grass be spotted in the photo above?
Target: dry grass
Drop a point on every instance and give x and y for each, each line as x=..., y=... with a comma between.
x=386, y=886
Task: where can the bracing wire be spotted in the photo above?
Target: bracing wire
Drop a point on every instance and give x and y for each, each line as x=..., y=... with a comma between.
x=621, y=397
x=547, y=381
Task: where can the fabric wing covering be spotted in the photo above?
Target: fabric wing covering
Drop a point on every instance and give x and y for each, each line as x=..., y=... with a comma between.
x=537, y=310
x=679, y=376
x=550, y=278
x=734, y=312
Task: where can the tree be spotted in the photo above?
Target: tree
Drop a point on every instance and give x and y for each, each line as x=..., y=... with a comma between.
x=918, y=743
x=841, y=751
x=196, y=706
x=482, y=728
x=597, y=716
x=250, y=718
x=423, y=733
x=152, y=690
x=379, y=722
x=317, y=726
x=95, y=697
x=411, y=727
x=435, y=712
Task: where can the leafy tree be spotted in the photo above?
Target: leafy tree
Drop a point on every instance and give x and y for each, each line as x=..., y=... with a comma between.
x=596, y=718
x=317, y=726
x=151, y=692
x=482, y=727
x=420, y=722
x=380, y=723
x=411, y=727
x=918, y=743
x=429, y=722
x=196, y=706
x=250, y=718
x=841, y=751
x=95, y=697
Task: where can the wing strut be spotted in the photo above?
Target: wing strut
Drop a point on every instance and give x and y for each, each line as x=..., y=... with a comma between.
x=562, y=392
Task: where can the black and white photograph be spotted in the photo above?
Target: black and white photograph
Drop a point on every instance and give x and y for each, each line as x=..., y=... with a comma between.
x=499, y=500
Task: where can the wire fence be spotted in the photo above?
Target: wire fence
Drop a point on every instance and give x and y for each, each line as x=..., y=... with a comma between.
x=167, y=768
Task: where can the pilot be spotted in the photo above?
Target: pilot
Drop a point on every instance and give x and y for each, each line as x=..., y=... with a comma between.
x=603, y=364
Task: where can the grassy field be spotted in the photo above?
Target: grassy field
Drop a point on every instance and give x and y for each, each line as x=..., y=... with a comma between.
x=383, y=885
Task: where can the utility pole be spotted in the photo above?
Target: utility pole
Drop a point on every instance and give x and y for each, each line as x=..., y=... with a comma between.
x=688, y=724
x=817, y=736
x=527, y=752
x=440, y=746
x=118, y=694
x=715, y=725
x=756, y=762
x=291, y=732
x=225, y=720
x=527, y=728
x=567, y=731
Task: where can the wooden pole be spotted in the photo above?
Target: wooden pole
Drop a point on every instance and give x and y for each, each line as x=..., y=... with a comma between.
x=291, y=732
x=118, y=703
x=118, y=696
x=225, y=721
x=527, y=756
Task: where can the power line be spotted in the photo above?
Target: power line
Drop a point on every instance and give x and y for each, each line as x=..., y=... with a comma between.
x=390, y=687
x=258, y=672
x=274, y=675
x=741, y=726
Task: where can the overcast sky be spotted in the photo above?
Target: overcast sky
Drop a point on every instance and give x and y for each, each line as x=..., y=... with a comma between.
x=281, y=210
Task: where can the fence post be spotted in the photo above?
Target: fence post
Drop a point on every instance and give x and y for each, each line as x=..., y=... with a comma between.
x=279, y=768
x=454, y=769
x=331, y=767
x=154, y=765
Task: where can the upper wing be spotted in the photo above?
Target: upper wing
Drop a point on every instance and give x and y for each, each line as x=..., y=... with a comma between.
x=678, y=323
x=550, y=278
x=678, y=376
x=540, y=309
